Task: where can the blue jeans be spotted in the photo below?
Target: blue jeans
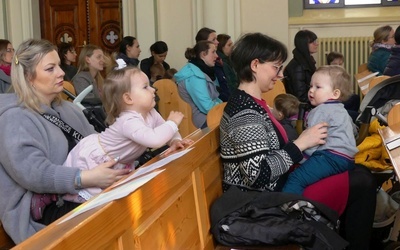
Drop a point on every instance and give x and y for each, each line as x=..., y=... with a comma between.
x=320, y=165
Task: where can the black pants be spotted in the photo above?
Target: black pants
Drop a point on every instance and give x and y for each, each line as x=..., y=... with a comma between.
x=52, y=212
x=359, y=215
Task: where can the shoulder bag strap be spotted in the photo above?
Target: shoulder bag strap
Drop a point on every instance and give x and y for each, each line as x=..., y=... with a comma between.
x=63, y=126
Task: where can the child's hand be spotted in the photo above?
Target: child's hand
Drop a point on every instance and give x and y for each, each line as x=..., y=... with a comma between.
x=177, y=144
x=176, y=117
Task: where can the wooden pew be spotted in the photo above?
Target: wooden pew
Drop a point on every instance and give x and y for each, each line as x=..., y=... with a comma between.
x=171, y=101
x=168, y=212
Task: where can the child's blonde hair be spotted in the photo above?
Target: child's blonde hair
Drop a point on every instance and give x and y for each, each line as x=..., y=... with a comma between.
x=287, y=104
x=340, y=79
x=115, y=85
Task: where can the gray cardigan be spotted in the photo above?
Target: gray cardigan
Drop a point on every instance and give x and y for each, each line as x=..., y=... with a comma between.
x=31, y=157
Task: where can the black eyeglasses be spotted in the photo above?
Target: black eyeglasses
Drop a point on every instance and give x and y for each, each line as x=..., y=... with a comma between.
x=278, y=68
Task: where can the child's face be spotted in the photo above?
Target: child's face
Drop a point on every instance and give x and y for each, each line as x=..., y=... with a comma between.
x=321, y=89
x=142, y=94
x=337, y=61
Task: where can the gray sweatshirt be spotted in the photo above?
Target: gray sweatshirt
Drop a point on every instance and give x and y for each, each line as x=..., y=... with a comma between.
x=341, y=130
x=31, y=157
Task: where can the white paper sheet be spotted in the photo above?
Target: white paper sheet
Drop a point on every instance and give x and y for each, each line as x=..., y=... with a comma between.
x=113, y=194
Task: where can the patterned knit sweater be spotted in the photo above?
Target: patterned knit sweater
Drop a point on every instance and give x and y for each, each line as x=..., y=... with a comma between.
x=253, y=153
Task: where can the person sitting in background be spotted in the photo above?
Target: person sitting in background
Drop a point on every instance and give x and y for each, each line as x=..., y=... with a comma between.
x=134, y=126
x=197, y=83
x=381, y=47
x=157, y=72
x=285, y=110
x=169, y=74
x=6, y=55
x=329, y=86
x=207, y=34
x=159, y=51
x=393, y=64
x=297, y=74
x=67, y=54
x=34, y=148
x=224, y=50
x=129, y=51
x=352, y=104
x=335, y=58
x=90, y=63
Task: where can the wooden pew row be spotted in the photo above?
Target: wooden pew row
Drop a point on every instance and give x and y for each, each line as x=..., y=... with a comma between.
x=168, y=212
x=171, y=101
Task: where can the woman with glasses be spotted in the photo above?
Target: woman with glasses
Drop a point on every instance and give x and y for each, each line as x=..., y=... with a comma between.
x=300, y=69
x=67, y=54
x=257, y=155
x=381, y=47
x=6, y=55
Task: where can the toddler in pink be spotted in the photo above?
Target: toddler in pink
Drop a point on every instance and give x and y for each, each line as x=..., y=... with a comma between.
x=134, y=126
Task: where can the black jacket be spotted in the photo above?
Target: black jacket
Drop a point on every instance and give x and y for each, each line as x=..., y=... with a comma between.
x=146, y=64
x=257, y=218
x=393, y=65
x=298, y=76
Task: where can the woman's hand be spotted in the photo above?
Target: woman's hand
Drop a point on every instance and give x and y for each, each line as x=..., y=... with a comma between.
x=102, y=176
x=312, y=136
x=177, y=144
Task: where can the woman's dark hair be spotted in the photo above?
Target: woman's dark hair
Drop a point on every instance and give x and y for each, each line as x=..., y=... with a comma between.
x=332, y=56
x=63, y=49
x=222, y=40
x=126, y=41
x=192, y=53
x=203, y=34
x=302, y=39
x=159, y=47
x=253, y=46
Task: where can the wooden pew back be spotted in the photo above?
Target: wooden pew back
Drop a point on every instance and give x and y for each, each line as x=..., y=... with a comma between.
x=171, y=101
x=168, y=212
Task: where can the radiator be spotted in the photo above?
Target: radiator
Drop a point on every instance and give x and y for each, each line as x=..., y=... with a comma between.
x=354, y=49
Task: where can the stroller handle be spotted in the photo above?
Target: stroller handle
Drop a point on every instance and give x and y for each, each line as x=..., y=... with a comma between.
x=78, y=99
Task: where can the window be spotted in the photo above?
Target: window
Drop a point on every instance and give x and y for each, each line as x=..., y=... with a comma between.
x=315, y=4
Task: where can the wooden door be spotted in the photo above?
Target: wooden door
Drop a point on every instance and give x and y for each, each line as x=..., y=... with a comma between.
x=82, y=22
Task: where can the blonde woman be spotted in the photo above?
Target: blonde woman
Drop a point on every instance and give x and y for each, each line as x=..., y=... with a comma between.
x=381, y=48
x=90, y=63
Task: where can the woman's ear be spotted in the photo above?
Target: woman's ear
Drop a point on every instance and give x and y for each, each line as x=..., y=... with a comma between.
x=254, y=64
x=87, y=59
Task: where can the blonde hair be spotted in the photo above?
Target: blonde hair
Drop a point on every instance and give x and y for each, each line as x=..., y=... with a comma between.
x=381, y=34
x=287, y=104
x=340, y=79
x=115, y=85
x=23, y=70
x=88, y=51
